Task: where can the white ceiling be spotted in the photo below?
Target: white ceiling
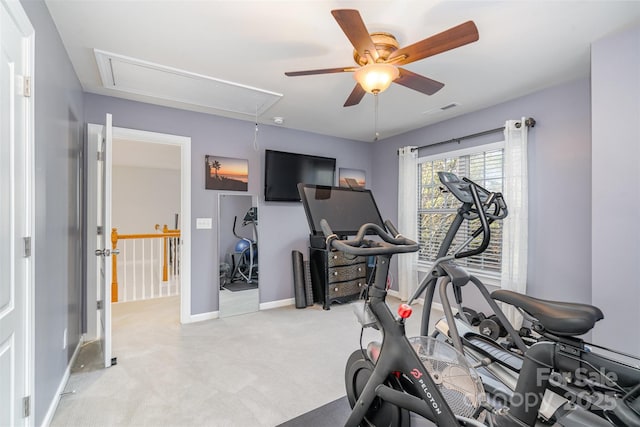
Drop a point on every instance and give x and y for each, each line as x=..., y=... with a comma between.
x=524, y=46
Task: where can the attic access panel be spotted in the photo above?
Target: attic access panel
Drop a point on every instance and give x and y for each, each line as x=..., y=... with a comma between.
x=140, y=77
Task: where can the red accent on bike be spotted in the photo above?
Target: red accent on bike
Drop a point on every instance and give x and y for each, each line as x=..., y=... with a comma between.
x=397, y=374
x=375, y=352
x=416, y=373
x=405, y=311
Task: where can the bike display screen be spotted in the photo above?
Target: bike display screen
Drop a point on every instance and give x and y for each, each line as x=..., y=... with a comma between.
x=345, y=210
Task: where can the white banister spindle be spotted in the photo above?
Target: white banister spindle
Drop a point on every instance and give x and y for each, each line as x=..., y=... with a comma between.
x=144, y=296
x=151, y=278
x=135, y=272
x=159, y=275
x=124, y=267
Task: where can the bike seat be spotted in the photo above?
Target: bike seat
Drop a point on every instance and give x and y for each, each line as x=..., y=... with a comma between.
x=559, y=318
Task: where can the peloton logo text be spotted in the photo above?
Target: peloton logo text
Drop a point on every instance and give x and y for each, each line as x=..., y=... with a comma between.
x=418, y=375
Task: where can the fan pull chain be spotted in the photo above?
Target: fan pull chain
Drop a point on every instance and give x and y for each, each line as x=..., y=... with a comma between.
x=255, y=133
x=376, y=134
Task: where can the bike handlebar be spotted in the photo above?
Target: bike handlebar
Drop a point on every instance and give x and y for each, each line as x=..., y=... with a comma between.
x=393, y=243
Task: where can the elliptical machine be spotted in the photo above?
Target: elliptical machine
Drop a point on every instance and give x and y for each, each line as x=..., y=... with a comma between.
x=551, y=375
x=245, y=265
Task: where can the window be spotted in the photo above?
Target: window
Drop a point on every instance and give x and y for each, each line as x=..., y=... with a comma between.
x=436, y=210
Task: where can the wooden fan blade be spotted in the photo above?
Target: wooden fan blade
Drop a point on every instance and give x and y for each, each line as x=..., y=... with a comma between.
x=322, y=71
x=353, y=26
x=417, y=82
x=355, y=97
x=450, y=39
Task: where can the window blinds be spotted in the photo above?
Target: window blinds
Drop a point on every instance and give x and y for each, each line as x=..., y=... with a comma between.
x=436, y=209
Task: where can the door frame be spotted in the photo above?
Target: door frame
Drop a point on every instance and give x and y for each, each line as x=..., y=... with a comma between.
x=94, y=135
x=184, y=142
x=27, y=31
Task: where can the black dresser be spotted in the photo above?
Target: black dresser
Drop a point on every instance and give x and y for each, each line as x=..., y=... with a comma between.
x=336, y=276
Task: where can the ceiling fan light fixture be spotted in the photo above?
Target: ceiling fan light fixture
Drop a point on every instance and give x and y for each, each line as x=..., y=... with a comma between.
x=377, y=77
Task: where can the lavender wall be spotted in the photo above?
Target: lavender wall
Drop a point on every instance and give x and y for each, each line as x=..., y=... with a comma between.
x=615, y=74
x=282, y=226
x=559, y=183
x=58, y=240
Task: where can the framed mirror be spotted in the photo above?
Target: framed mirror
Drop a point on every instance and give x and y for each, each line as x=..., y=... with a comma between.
x=238, y=254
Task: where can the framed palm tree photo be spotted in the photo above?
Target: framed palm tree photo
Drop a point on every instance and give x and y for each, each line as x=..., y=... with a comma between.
x=226, y=173
x=352, y=178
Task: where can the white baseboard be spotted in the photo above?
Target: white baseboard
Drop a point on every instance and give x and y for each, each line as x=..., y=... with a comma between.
x=263, y=306
x=437, y=306
x=63, y=383
x=203, y=316
x=277, y=304
x=393, y=293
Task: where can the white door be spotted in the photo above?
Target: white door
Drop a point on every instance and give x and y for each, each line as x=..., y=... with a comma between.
x=15, y=214
x=103, y=239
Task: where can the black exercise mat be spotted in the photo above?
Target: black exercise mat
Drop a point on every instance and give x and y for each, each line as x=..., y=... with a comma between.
x=330, y=415
x=334, y=414
x=240, y=286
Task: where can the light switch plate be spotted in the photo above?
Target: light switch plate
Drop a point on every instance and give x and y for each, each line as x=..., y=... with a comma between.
x=203, y=223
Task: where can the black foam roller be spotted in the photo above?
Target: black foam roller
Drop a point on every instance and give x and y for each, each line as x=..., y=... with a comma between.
x=298, y=279
x=307, y=283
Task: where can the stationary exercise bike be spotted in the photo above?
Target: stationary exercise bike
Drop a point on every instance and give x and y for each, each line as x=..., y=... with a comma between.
x=387, y=383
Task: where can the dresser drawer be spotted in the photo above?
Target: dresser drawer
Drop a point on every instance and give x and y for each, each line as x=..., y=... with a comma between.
x=335, y=258
x=343, y=289
x=347, y=272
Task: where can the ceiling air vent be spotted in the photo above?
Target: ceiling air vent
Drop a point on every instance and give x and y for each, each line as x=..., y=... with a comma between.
x=449, y=106
x=443, y=108
x=139, y=77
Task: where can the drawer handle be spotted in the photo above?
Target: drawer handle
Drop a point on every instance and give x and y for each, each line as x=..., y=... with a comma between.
x=359, y=284
x=335, y=273
x=335, y=257
x=336, y=289
x=359, y=268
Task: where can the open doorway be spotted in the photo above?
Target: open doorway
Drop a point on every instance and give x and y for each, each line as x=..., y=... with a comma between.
x=146, y=157
x=148, y=148
x=146, y=220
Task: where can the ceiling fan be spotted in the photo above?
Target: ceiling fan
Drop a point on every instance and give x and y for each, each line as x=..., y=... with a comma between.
x=378, y=56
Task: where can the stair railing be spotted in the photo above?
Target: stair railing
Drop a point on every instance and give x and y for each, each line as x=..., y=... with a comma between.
x=156, y=264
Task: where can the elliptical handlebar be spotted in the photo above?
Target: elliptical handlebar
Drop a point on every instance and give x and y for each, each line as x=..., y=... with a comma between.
x=235, y=220
x=392, y=241
x=492, y=208
x=484, y=223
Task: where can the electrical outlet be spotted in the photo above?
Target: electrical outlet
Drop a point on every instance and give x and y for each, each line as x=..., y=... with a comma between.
x=64, y=339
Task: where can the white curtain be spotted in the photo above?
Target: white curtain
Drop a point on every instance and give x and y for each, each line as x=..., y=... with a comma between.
x=515, y=236
x=407, y=218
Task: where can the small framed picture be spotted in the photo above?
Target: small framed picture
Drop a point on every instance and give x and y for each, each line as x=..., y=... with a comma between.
x=226, y=173
x=352, y=178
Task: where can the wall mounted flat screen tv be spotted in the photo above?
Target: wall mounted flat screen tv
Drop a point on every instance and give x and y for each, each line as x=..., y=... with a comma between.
x=283, y=171
x=345, y=210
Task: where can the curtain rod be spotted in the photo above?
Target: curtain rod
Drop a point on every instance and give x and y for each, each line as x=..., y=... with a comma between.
x=529, y=122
